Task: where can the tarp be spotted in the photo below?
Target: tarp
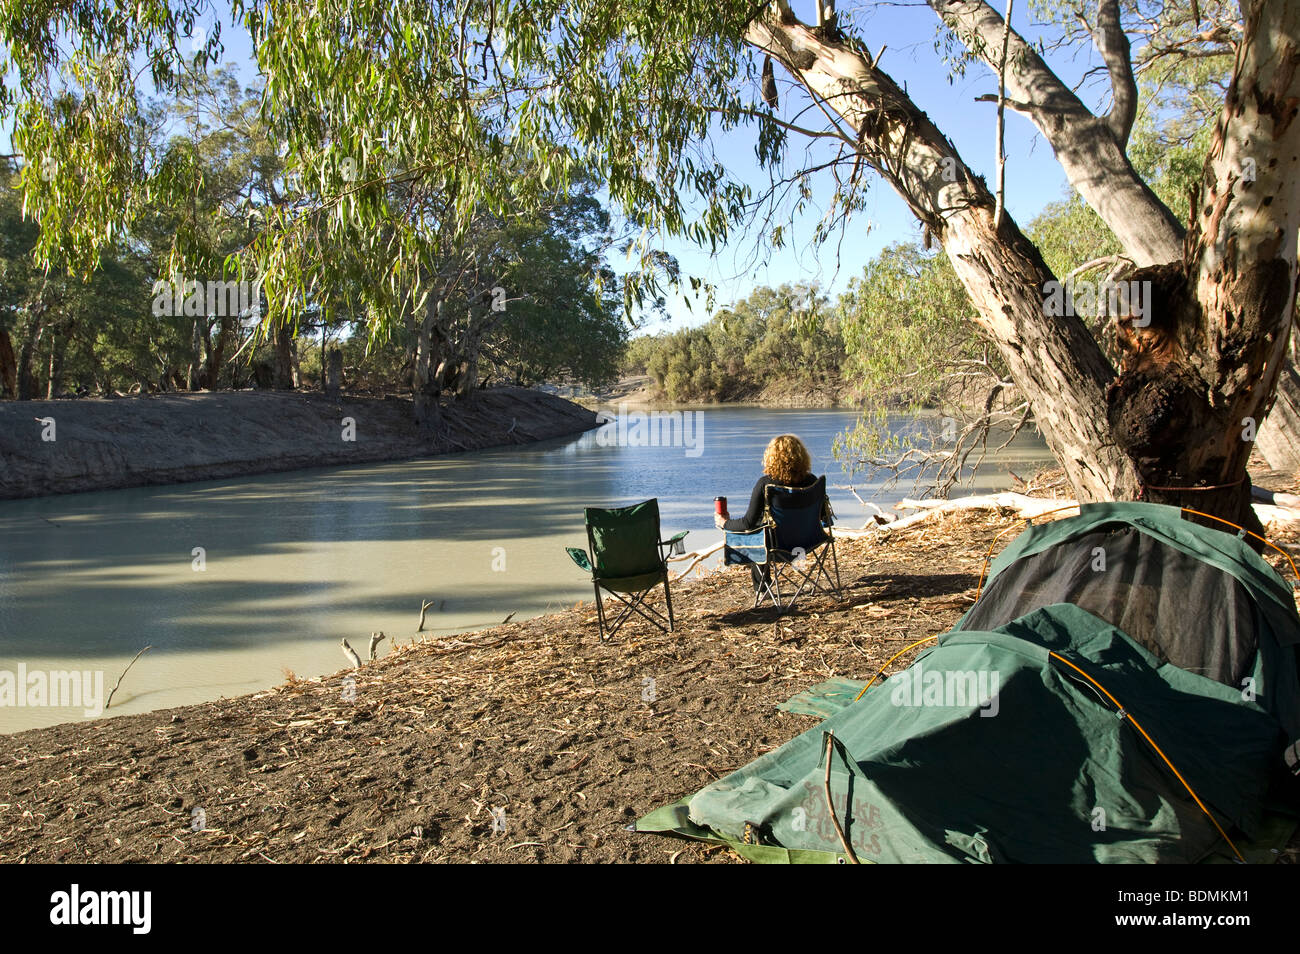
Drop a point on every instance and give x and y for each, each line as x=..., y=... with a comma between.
x=990, y=749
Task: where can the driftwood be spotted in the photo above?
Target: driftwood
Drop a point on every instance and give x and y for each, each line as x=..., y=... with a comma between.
x=1281, y=509
x=375, y=640
x=1276, y=518
x=109, y=701
x=695, y=556
x=351, y=654
x=1027, y=508
x=1274, y=510
x=424, y=608
x=1275, y=507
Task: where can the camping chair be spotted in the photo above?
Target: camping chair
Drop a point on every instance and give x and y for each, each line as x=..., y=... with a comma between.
x=628, y=560
x=792, y=545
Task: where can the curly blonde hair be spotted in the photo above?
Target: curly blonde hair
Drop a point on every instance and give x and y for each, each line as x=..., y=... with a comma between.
x=786, y=460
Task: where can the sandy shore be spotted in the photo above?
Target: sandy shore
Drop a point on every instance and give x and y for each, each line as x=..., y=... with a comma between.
x=54, y=447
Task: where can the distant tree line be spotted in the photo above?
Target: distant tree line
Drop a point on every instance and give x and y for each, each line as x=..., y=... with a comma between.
x=521, y=299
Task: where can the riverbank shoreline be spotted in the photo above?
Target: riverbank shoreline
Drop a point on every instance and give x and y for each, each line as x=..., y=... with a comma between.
x=640, y=392
x=407, y=757
x=70, y=446
x=532, y=741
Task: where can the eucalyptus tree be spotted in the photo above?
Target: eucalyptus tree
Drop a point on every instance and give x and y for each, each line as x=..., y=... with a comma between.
x=435, y=94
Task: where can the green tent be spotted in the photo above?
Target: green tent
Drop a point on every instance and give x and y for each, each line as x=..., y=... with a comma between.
x=1122, y=691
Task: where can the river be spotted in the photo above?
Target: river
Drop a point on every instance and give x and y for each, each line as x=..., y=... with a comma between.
x=236, y=583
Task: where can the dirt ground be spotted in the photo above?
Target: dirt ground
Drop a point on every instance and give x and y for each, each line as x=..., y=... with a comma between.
x=529, y=741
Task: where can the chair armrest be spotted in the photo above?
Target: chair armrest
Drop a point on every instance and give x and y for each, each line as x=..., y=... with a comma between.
x=579, y=557
x=746, y=538
x=673, y=545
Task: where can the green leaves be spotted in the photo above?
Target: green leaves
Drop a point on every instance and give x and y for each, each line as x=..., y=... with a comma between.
x=429, y=100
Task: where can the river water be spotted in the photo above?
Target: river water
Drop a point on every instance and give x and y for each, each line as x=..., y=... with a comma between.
x=288, y=564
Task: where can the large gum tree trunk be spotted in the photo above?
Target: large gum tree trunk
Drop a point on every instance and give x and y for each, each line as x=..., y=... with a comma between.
x=1091, y=150
x=1167, y=424
x=1055, y=361
x=1279, y=437
x=28, y=386
x=286, y=345
x=8, y=367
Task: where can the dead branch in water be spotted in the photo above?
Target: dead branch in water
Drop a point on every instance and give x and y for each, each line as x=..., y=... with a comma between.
x=109, y=701
x=424, y=608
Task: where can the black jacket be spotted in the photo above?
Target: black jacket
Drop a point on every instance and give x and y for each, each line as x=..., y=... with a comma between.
x=754, y=515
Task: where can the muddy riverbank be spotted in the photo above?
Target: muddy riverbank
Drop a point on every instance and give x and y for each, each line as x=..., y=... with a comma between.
x=56, y=447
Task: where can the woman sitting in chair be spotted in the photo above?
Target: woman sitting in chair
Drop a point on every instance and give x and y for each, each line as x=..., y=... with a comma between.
x=786, y=463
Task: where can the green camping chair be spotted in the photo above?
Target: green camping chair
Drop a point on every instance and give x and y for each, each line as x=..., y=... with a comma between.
x=628, y=560
x=794, y=545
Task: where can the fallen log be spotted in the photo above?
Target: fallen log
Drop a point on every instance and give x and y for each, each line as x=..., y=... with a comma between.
x=695, y=556
x=1027, y=508
x=1276, y=513
x=1276, y=498
x=1032, y=508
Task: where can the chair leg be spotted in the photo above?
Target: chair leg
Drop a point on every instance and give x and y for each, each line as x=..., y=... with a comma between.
x=839, y=587
x=764, y=576
x=600, y=610
x=774, y=574
x=636, y=604
x=668, y=598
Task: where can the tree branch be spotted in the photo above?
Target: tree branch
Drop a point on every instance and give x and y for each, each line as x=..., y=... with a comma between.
x=1089, y=152
x=1001, y=190
x=1112, y=43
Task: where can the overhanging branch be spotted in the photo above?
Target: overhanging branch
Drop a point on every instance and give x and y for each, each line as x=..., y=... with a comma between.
x=1112, y=43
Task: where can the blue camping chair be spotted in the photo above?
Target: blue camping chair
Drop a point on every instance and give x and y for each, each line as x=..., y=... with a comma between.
x=794, y=545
